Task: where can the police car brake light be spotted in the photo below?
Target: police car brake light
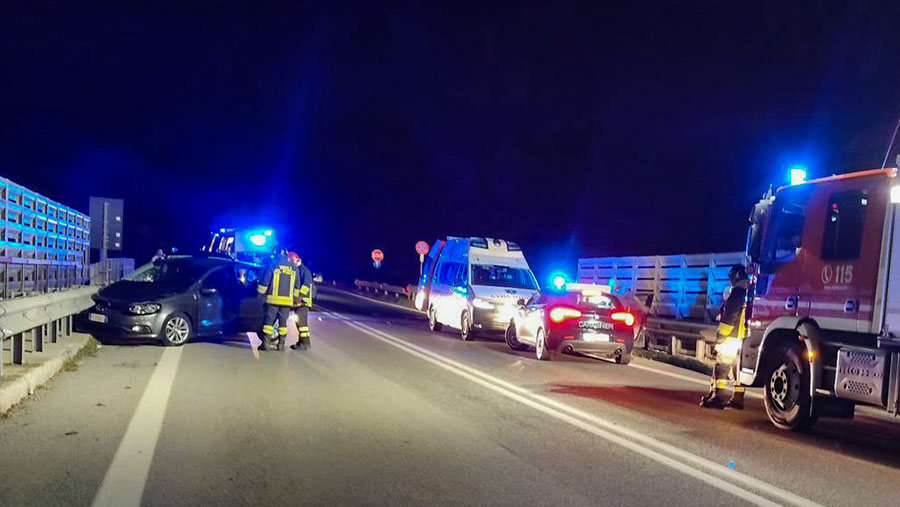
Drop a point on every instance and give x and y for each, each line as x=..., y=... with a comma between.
x=624, y=317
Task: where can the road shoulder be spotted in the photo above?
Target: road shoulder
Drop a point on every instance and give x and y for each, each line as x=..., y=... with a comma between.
x=20, y=381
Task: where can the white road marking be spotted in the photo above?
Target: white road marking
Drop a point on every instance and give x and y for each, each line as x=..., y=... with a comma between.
x=714, y=474
x=751, y=394
x=123, y=485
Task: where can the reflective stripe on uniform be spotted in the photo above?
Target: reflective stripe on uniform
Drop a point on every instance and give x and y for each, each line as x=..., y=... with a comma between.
x=282, y=331
x=296, y=293
x=307, y=302
x=279, y=300
x=304, y=289
x=724, y=329
x=722, y=384
x=268, y=329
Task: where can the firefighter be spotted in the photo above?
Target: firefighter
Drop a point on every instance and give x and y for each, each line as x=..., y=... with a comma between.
x=728, y=338
x=303, y=302
x=279, y=285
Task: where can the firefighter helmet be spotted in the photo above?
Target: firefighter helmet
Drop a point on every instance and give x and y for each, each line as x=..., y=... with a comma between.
x=737, y=273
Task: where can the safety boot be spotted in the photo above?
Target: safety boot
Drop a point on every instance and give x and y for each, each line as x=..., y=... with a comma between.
x=737, y=401
x=714, y=401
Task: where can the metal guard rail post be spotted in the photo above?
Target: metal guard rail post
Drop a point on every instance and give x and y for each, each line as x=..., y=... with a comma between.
x=41, y=318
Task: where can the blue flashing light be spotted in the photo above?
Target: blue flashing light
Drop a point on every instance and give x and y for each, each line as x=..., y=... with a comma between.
x=797, y=174
x=559, y=281
x=267, y=232
x=258, y=239
x=222, y=230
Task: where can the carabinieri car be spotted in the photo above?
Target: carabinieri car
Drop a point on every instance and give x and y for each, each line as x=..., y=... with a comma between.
x=584, y=319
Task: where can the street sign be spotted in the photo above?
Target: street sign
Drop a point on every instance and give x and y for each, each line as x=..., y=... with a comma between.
x=106, y=223
x=421, y=249
x=377, y=255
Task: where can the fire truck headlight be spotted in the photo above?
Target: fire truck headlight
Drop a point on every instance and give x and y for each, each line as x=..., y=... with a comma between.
x=895, y=194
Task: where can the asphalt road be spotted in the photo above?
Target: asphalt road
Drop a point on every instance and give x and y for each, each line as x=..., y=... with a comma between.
x=383, y=412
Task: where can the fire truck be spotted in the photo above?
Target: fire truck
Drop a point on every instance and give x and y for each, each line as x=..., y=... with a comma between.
x=824, y=305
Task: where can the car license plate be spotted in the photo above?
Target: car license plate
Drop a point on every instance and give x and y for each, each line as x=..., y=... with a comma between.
x=96, y=317
x=595, y=337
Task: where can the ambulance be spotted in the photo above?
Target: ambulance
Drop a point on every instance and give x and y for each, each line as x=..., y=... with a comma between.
x=474, y=285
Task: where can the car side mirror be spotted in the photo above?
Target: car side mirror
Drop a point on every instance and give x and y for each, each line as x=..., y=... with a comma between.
x=521, y=302
x=209, y=291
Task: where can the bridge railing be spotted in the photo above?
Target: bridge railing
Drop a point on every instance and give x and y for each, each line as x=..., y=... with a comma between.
x=685, y=294
x=38, y=320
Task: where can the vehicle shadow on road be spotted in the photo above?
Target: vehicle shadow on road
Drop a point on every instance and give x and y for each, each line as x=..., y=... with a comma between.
x=863, y=437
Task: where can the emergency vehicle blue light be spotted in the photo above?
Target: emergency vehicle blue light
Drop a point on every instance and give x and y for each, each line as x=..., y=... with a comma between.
x=798, y=175
x=559, y=281
x=268, y=232
x=222, y=230
x=258, y=239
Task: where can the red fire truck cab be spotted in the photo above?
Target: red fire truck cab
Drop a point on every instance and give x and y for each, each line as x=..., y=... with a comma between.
x=824, y=305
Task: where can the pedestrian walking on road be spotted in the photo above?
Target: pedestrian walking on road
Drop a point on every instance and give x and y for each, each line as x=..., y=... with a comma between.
x=729, y=336
x=302, y=303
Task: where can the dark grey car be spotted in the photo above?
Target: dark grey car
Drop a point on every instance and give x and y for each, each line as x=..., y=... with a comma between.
x=177, y=299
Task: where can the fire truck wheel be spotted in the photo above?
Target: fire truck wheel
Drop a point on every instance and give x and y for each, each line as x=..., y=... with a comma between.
x=788, y=402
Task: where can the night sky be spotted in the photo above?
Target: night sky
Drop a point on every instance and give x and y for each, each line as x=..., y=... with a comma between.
x=572, y=128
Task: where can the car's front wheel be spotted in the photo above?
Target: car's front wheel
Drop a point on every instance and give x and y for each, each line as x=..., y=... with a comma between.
x=512, y=340
x=176, y=330
x=540, y=340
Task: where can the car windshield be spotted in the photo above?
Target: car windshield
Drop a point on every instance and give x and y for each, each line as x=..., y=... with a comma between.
x=503, y=276
x=175, y=272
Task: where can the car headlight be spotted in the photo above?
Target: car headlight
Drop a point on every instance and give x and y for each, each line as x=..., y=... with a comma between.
x=144, y=308
x=484, y=304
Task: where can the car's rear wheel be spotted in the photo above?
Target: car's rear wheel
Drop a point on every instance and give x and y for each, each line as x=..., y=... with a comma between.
x=176, y=330
x=623, y=357
x=541, y=351
x=512, y=340
x=465, y=327
x=433, y=323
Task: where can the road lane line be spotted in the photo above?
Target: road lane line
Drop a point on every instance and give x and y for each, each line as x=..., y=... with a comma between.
x=751, y=394
x=713, y=474
x=123, y=485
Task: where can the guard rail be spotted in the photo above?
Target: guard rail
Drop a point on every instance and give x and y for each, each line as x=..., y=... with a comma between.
x=39, y=319
x=395, y=291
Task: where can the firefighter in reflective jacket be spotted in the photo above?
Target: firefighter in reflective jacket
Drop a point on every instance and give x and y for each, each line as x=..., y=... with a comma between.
x=728, y=338
x=280, y=284
x=303, y=302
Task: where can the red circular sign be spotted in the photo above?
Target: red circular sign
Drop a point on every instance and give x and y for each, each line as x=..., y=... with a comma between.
x=422, y=248
x=377, y=255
